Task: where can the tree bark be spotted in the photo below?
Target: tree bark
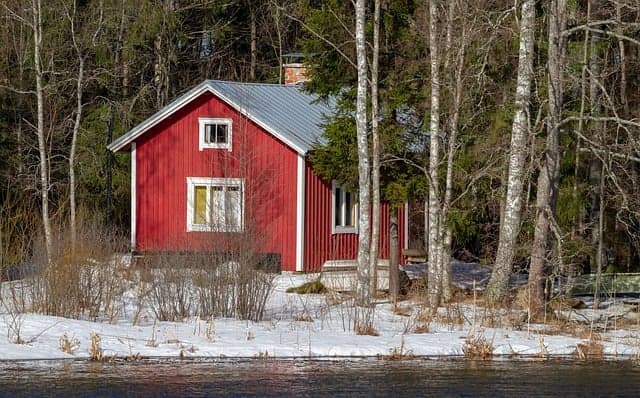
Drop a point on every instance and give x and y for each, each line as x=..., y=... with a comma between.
x=434, y=281
x=40, y=130
x=363, y=288
x=375, y=151
x=549, y=176
x=394, y=252
x=74, y=136
x=497, y=288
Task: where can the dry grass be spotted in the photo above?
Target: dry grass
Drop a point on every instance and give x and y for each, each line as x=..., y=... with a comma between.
x=69, y=345
x=402, y=311
x=364, y=329
x=364, y=321
x=476, y=346
x=95, y=351
x=591, y=349
x=398, y=353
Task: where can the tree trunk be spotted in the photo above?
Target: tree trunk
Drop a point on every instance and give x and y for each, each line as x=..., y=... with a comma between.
x=74, y=136
x=363, y=288
x=445, y=231
x=549, y=176
x=434, y=281
x=40, y=129
x=497, y=288
x=394, y=252
x=375, y=151
x=254, y=50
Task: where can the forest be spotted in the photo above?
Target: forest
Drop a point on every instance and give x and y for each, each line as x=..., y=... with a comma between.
x=512, y=127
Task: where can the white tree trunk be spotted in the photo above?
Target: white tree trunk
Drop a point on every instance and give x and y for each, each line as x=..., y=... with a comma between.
x=363, y=288
x=375, y=151
x=434, y=272
x=74, y=137
x=445, y=232
x=498, y=284
x=40, y=129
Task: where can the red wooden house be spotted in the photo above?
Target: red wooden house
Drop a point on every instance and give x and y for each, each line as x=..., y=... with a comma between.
x=226, y=158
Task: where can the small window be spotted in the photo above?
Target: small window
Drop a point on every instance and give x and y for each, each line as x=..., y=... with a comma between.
x=345, y=210
x=215, y=204
x=215, y=133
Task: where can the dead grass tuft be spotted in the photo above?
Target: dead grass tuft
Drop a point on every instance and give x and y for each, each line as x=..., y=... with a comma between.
x=476, y=346
x=69, y=345
x=591, y=349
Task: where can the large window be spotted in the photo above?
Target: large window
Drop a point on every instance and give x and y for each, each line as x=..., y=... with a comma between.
x=215, y=204
x=215, y=133
x=345, y=210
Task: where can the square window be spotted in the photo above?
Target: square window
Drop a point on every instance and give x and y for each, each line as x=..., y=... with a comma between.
x=345, y=210
x=215, y=133
x=215, y=204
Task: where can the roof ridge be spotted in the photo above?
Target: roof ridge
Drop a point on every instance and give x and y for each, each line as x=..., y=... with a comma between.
x=253, y=83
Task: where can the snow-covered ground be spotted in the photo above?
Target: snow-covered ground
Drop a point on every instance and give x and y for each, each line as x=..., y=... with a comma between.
x=305, y=326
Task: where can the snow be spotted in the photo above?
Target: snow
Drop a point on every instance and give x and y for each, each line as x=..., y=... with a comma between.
x=303, y=326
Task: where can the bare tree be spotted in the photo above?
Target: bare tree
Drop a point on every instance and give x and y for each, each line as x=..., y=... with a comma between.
x=363, y=288
x=510, y=227
x=434, y=271
x=549, y=177
x=36, y=26
x=375, y=150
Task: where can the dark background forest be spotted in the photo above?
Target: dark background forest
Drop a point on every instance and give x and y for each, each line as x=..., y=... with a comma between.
x=74, y=75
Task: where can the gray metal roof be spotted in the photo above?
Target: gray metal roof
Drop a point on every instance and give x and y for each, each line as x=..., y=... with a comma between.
x=287, y=112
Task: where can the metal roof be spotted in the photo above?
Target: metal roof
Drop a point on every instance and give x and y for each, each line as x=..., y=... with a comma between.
x=286, y=111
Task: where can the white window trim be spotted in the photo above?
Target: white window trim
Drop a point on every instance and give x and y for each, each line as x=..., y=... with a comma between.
x=340, y=229
x=212, y=182
x=202, y=122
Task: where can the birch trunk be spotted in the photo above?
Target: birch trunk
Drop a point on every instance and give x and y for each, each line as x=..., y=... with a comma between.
x=375, y=151
x=74, y=136
x=445, y=232
x=394, y=277
x=40, y=130
x=549, y=176
x=497, y=288
x=254, y=49
x=363, y=288
x=434, y=282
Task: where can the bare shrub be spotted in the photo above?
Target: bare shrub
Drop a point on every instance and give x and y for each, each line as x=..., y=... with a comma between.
x=226, y=281
x=83, y=279
x=170, y=296
x=364, y=321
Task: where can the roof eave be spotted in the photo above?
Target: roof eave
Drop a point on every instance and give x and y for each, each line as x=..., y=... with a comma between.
x=126, y=140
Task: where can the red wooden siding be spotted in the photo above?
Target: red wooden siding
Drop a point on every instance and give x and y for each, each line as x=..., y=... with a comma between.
x=168, y=154
x=320, y=244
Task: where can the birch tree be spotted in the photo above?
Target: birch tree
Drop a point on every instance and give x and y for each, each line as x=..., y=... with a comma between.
x=375, y=150
x=510, y=226
x=363, y=288
x=434, y=271
x=36, y=26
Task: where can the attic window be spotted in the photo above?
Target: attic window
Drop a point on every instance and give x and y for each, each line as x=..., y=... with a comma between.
x=214, y=133
x=344, y=210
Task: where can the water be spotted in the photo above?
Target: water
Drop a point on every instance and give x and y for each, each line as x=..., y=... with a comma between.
x=289, y=378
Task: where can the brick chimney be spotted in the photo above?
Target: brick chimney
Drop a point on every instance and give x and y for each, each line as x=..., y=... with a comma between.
x=294, y=70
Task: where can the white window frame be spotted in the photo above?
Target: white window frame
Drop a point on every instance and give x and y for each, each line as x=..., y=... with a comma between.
x=224, y=183
x=343, y=229
x=203, y=122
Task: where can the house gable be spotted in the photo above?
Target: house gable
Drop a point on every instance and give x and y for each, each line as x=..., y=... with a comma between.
x=286, y=112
